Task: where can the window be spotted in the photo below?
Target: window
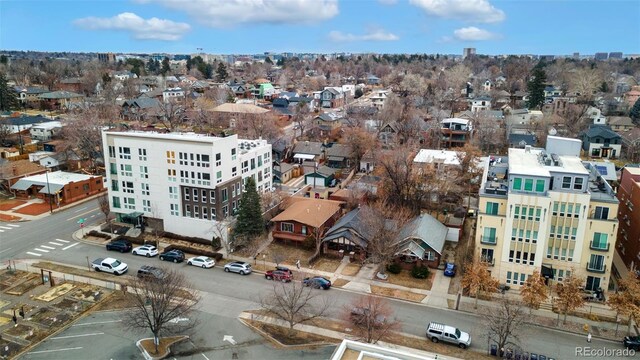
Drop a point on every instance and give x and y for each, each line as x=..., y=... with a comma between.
x=112, y=151
x=528, y=184
x=126, y=170
x=508, y=277
x=116, y=202
x=599, y=241
x=130, y=203
x=145, y=189
x=174, y=209
x=187, y=210
x=601, y=213
x=549, y=250
x=173, y=192
x=569, y=209
x=511, y=252
x=492, y=208
x=516, y=212
x=196, y=211
x=539, y=185
x=234, y=171
x=233, y=153
x=566, y=182
x=487, y=255
x=517, y=183
x=304, y=230
x=205, y=213
x=563, y=209
x=113, y=168
x=532, y=258
x=114, y=185
x=144, y=172
x=531, y=210
x=555, y=208
x=518, y=256
x=535, y=237
x=563, y=254
x=125, y=153
x=187, y=194
x=225, y=211
x=225, y=195
x=146, y=205
x=218, y=177
x=171, y=157
x=286, y=227
x=577, y=184
x=127, y=186
x=259, y=160
x=142, y=154
x=489, y=235
x=552, y=230
x=523, y=216
x=538, y=211
x=253, y=164
x=218, y=159
x=212, y=196
x=203, y=197
x=596, y=262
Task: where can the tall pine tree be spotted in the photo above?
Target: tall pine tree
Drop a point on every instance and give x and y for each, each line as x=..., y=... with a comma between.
x=8, y=97
x=634, y=114
x=221, y=72
x=535, y=86
x=249, y=222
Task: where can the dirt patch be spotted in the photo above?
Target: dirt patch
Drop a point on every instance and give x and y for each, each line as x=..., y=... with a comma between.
x=398, y=294
x=404, y=278
x=10, y=278
x=34, y=209
x=56, y=292
x=25, y=307
x=12, y=347
x=339, y=283
x=23, y=331
x=4, y=217
x=81, y=272
x=116, y=301
x=297, y=337
x=48, y=318
x=163, y=347
x=328, y=265
x=351, y=269
x=71, y=305
x=289, y=253
x=32, y=281
x=10, y=204
x=87, y=293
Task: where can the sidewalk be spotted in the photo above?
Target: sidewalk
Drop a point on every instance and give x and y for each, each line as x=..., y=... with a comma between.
x=26, y=217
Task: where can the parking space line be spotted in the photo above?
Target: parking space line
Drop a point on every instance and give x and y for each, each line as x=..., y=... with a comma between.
x=7, y=249
x=54, y=243
x=64, y=241
x=70, y=246
x=12, y=225
x=54, y=350
x=205, y=356
x=4, y=227
x=98, y=322
x=75, y=336
x=48, y=247
x=34, y=254
x=41, y=250
x=1, y=230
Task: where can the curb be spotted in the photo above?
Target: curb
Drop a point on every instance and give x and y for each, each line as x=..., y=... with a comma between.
x=148, y=356
x=278, y=343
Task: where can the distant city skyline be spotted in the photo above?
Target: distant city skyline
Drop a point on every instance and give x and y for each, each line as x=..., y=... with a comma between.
x=322, y=26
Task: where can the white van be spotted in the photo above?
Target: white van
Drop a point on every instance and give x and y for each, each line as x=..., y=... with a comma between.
x=439, y=332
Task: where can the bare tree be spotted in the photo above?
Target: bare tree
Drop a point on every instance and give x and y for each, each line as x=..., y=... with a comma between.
x=103, y=204
x=258, y=126
x=220, y=235
x=301, y=116
x=171, y=114
x=294, y=303
x=470, y=170
x=569, y=295
x=626, y=301
x=162, y=304
x=534, y=292
x=478, y=279
x=402, y=185
x=504, y=324
x=371, y=318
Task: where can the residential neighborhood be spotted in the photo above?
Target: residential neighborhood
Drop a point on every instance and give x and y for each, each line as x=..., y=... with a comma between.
x=463, y=203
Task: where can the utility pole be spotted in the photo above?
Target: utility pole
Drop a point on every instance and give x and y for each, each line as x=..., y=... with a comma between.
x=49, y=192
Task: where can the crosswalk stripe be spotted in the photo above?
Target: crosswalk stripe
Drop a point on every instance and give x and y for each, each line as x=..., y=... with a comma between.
x=34, y=254
x=12, y=225
x=41, y=250
x=64, y=241
x=54, y=243
x=70, y=246
x=1, y=230
x=4, y=227
x=47, y=247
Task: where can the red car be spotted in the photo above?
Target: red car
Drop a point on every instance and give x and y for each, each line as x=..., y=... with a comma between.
x=278, y=275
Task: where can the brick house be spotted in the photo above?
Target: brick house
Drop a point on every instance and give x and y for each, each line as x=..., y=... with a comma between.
x=12, y=171
x=305, y=217
x=61, y=187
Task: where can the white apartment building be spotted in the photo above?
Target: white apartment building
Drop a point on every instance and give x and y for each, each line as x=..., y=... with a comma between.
x=545, y=210
x=184, y=182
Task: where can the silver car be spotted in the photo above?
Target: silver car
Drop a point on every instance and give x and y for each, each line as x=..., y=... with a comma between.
x=239, y=267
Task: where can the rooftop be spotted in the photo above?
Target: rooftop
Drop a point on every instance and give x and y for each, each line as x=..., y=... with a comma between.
x=446, y=157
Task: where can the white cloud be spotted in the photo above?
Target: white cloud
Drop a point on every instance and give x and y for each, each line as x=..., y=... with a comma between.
x=227, y=13
x=143, y=29
x=465, y=10
x=388, y=2
x=372, y=35
x=472, y=33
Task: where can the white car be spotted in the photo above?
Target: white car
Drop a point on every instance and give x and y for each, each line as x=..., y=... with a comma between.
x=202, y=261
x=145, y=250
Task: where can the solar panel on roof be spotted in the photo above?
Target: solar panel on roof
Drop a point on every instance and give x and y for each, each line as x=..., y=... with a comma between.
x=602, y=169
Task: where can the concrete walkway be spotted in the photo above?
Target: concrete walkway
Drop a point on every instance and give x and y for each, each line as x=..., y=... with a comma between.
x=439, y=291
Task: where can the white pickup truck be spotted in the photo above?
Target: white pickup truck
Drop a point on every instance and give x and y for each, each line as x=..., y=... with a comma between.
x=110, y=265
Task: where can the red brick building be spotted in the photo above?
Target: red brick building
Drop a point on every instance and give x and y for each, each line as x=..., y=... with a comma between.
x=62, y=187
x=628, y=242
x=305, y=217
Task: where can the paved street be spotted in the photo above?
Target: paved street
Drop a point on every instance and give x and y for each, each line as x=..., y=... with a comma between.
x=226, y=294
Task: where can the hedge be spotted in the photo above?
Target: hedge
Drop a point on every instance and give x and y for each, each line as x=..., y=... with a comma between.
x=420, y=272
x=394, y=268
x=133, y=240
x=95, y=233
x=187, y=249
x=190, y=239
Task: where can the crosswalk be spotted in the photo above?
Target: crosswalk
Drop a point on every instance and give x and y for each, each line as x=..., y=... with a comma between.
x=5, y=227
x=52, y=246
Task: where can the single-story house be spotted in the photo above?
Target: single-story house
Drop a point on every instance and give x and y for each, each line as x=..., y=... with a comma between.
x=12, y=171
x=63, y=160
x=305, y=217
x=323, y=176
x=15, y=125
x=58, y=187
x=308, y=150
x=283, y=172
x=422, y=242
x=338, y=155
x=620, y=123
x=347, y=235
x=60, y=99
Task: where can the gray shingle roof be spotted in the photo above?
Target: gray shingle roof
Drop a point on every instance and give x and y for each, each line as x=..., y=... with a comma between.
x=308, y=147
x=426, y=228
x=601, y=131
x=25, y=120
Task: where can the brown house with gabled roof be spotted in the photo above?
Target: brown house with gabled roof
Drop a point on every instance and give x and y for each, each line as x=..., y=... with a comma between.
x=305, y=217
x=12, y=171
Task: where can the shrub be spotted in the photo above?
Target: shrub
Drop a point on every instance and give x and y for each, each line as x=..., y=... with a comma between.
x=196, y=251
x=420, y=272
x=190, y=239
x=394, y=268
x=133, y=240
x=98, y=234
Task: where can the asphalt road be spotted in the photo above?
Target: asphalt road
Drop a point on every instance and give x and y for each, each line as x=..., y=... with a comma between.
x=228, y=294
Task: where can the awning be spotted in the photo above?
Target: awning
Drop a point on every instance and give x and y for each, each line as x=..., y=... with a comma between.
x=133, y=215
x=51, y=189
x=304, y=156
x=547, y=271
x=335, y=158
x=21, y=185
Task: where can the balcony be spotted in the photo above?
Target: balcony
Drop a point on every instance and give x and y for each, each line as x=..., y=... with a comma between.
x=488, y=240
x=596, y=268
x=599, y=247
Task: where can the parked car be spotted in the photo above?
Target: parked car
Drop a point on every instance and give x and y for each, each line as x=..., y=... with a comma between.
x=632, y=342
x=239, y=267
x=445, y=333
x=202, y=261
x=359, y=315
x=119, y=245
x=146, y=271
x=317, y=282
x=109, y=265
x=450, y=269
x=278, y=275
x=176, y=256
x=285, y=269
x=145, y=250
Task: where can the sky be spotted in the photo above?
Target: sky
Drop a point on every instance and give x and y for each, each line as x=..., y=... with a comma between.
x=544, y=27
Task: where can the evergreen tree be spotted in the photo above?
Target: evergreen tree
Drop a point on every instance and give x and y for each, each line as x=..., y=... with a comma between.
x=221, y=72
x=634, y=114
x=166, y=67
x=268, y=60
x=8, y=97
x=535, y=86
x=249, y=222
x=604, y=87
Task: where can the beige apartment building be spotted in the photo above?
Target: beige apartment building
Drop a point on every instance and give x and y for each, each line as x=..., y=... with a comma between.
x=546, y=210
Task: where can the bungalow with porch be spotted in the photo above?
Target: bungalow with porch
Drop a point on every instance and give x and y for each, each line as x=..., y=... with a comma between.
x=59, y=99
x=338, y=156
x=348, y=236
x=305, y=217
x=421, y=242
x=58, y=187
